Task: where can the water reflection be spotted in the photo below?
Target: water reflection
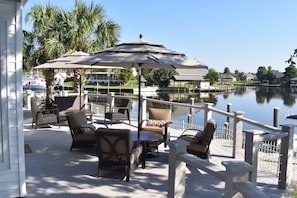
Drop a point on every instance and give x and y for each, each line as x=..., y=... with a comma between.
x=202, y=97
x=262, y=95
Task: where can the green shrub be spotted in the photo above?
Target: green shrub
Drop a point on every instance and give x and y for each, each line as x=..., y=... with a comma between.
x=294, y=195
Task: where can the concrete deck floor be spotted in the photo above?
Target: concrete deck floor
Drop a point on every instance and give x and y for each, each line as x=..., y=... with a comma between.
x=53, y=171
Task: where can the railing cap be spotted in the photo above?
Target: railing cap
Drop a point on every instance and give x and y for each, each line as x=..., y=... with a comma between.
x=237, y=166
x=255, y=132
x=178, y=143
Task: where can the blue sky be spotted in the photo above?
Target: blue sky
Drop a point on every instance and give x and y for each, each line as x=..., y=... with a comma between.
x=241, y=35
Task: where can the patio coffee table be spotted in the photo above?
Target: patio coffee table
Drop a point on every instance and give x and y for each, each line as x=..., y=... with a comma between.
x=145, y=138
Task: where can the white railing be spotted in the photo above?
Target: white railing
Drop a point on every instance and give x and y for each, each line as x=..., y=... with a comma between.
x=283, y=157
x=235, y=175
x=230, y=133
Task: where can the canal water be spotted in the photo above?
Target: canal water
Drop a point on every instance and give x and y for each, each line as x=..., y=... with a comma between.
x=257, y=103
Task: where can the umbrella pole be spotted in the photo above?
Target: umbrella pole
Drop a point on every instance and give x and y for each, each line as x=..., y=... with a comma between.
x=139, y=100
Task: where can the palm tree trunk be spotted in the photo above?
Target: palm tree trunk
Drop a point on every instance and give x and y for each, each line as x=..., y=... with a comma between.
x=49, y=78
x=76, y=81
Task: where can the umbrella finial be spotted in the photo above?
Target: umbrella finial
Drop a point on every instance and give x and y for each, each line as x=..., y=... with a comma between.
x=140, y=36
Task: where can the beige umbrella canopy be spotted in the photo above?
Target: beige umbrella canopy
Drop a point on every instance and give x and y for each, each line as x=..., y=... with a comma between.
x=65, y=62
x=141, y=54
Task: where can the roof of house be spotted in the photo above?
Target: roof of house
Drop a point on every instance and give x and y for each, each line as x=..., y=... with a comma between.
x=190, y=74
x=225, y=76
x=188, y=78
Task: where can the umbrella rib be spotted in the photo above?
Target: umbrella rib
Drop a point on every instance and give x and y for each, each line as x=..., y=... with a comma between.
x=142, y=52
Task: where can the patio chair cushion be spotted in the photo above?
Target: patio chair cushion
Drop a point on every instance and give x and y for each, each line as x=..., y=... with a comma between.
x=156, y=129
x=198, y=148
x=199, y=143
x=87, y=128
x=192, y=135
x=80, y=138
x=159, y=123
x=83, y=137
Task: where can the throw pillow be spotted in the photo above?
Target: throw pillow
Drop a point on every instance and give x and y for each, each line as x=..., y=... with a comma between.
x=199, y=135
x=192, y=135
x=87, y=128
x=76, y=130
x=159, y=123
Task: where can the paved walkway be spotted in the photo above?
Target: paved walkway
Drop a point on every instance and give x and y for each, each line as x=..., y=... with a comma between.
x=53, y=171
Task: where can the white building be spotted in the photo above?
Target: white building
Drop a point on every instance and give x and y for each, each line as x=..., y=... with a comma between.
x=12, y=162
x=193, y=75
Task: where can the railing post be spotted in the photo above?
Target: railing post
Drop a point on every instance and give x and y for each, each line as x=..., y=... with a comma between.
x=286, y=157
x=85, y=99
x=227, y=123
x=273, y=143
x=226, y=134
x=191, y=113
x=229, y=111
x=207, y=112
x=177, y=169
x=143, y=101
x=275, y=116
x=236, y=171
x=237, y=135
x=251, y=152
x=29, y=95
x=110, y=100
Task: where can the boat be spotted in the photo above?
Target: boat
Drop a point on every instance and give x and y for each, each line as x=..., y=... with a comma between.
x=147, y=91
x=34, y=84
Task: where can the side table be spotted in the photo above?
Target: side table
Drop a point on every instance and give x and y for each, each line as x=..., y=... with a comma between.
x=146, y=138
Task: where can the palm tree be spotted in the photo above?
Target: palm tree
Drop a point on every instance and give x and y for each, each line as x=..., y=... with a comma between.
x=42, y=16
x=57, y=32
x=28, y=48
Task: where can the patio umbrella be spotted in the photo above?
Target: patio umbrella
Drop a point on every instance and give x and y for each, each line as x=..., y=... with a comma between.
x=65, y=62
x=141, y=54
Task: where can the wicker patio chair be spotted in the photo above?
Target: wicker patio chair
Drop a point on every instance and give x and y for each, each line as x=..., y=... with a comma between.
x=44, y=115
x=200, y=140
x=158, y=122
x=115, y=148
x=82, y=133
x=122, y=113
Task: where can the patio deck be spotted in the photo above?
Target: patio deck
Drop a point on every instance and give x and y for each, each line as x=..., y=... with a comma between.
x=53, y=171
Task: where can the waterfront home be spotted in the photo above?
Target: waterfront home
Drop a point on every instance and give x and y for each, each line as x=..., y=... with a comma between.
x=12, y=160
x=223, y=78
x=250, y=77
x=293, y=82
x=195, y=76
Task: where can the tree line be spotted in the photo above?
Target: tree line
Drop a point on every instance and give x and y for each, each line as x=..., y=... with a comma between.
x=56, y=32
x=263, y=74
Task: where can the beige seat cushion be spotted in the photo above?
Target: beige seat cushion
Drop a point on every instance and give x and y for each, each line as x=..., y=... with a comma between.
x=156, y=129
x=84, y=137
x=197, y=148
x=159, y=114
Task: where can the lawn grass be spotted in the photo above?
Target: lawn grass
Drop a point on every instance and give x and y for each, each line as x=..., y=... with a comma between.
x=129, y=85
x=294, y=195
